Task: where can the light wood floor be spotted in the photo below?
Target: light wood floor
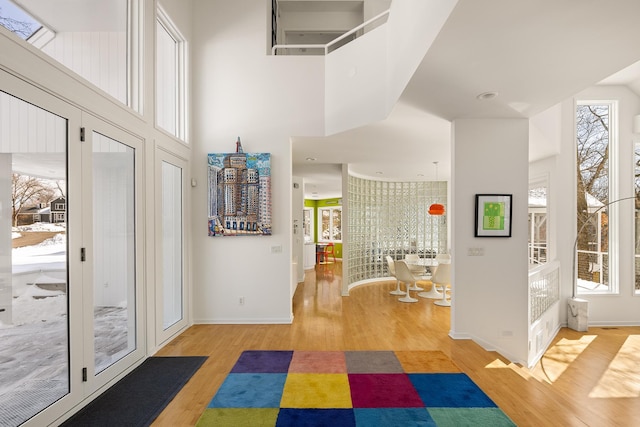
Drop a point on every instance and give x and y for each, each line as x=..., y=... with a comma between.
x=584, y=379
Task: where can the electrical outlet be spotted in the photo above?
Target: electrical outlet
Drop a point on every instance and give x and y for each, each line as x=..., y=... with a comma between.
x=241, y=300
x=276, y=249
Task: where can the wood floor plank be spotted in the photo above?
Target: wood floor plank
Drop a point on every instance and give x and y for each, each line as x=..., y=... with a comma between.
x=573, y=385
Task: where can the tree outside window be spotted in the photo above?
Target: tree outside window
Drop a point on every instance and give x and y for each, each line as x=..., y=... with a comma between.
x=593, y=139
x=30, y=192
x=17, y=21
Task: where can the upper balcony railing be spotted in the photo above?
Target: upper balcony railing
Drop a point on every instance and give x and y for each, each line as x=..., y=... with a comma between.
x=324, y=49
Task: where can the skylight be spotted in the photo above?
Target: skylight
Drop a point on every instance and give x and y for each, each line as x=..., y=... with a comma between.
x=17, y=20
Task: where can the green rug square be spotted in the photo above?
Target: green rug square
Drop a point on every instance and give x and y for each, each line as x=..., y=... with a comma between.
x=234, y=417
x=470, y=417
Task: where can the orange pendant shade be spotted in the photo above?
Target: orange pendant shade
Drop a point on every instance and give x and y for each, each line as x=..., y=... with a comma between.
x=436, y=209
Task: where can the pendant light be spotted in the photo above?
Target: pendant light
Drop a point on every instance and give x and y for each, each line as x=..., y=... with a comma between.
x=436, y=208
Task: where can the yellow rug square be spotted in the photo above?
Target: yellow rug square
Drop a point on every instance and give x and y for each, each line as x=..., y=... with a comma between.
x=316, y=391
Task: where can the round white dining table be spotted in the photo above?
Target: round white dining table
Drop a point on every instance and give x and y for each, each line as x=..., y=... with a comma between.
x=426, y=262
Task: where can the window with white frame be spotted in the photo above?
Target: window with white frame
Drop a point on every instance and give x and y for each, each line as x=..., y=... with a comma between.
x=596, y=266
x=538, y=247
x=171, y=82
x=330, y=224
x=307, y=224
x=107, y=55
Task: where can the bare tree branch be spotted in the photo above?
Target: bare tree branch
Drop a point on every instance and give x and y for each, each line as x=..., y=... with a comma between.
x=21, y=28
x=27, y=192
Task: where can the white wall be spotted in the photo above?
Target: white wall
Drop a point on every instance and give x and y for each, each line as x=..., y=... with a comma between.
x=490, y=292
x=413, y=26
x=351, y=73
x=264, y=99
x=372, y=8
x=366, y=77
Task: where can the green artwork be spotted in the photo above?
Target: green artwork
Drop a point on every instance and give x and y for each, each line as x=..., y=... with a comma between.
x=493, y=216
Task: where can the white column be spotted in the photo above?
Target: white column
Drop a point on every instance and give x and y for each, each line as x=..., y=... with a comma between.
x=490, y=274
x=5, y=239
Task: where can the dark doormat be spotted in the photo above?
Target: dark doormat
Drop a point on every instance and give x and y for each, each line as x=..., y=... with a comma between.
x=138, y=398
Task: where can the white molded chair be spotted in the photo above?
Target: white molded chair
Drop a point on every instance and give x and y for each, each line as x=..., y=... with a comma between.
x=440, y=259
x=417, y=270
x=442, y=277
x=392, y=271
x=404, y=275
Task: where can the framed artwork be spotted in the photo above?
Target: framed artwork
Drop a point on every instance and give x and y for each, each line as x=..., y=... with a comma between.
x=239, y=194
x=493, y=215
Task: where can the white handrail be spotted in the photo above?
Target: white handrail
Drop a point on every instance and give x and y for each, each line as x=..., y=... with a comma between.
x=332, y=42
x=544, y=289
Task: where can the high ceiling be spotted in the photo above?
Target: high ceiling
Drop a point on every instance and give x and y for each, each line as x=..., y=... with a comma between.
x=533, y=55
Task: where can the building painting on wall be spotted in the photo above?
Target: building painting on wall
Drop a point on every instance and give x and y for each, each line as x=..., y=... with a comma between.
x=239, y=193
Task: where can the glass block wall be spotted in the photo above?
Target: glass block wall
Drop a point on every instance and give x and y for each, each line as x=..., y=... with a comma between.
x=391, y=218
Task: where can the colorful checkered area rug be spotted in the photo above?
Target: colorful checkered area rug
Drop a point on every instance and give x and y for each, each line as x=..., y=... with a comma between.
x=349, y=388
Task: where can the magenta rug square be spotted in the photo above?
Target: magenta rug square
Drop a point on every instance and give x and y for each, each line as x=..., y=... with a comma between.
x=383, y=391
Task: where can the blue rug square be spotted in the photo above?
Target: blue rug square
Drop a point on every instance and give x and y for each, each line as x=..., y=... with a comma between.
x=289, y=417
x=385, y=417
x=449, y=391
x=250, y=391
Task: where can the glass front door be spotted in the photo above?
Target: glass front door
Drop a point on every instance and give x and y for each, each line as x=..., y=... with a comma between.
x=114, y=250
x=112, y=247
x=70, y=287
x=34, y=279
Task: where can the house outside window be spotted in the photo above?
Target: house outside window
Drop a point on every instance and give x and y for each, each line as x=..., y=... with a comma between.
x=58, y=210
